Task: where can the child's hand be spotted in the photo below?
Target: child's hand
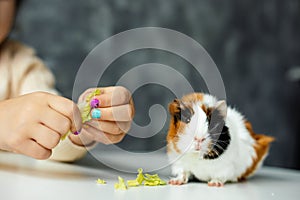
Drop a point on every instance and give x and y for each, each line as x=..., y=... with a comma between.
x=116, y=110
x=33, y=124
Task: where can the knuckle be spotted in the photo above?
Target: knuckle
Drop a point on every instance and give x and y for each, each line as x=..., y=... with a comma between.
x=121, y=89
x=106, y=101
x=53, y=142
x=124, y=94
x=72, y=108
x=38, y=96
x=30, y=107
x=65, y=126
x=123, y=99
x=126, y=127
x=118, y=139
x=117, y=129
x=123, y=126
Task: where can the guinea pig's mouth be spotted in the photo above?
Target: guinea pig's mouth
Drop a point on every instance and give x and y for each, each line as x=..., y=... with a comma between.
x=198, y=147
x=199, y=152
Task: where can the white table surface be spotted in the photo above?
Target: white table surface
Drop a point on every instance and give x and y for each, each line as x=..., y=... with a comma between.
x=23, y=178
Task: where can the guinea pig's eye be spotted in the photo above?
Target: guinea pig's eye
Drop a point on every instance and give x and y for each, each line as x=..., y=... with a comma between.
x=185, y=115
x=185, y=120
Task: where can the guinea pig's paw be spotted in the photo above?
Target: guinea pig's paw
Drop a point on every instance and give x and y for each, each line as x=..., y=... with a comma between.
x=177, y=181
x=215, y=183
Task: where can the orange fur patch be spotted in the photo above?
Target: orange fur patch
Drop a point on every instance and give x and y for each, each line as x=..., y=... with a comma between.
x=193, y=97
x=172, y=137
x=206, y=110
x=173, y=107
x=261, y=146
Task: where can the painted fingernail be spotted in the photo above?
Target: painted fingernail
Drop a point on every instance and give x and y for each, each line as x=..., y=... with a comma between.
x=96, y=113
x=95, y=103
x=76, y=133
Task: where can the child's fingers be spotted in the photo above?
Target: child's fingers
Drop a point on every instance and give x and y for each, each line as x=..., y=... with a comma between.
x=111, y=127
x=101, y=136
x=104, y=90
x=68, y=108
x=111, y=139
x=56, y=121
x=118, y=113
x=45, y=136
x=116, y=98
x=33, y=149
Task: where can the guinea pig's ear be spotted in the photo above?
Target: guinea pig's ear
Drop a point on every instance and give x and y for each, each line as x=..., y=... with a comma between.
x=217, y=117
x=174, y=107
x=221, y=108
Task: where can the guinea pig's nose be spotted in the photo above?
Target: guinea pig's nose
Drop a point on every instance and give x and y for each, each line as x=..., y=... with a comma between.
x=199, y=139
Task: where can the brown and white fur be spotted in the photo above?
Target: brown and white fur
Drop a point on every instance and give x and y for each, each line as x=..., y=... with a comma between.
x=212, y=142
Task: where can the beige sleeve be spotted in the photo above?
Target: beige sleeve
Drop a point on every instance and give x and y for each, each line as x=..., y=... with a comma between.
x=24, y=73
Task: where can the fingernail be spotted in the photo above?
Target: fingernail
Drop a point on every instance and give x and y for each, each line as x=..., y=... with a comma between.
x=95, y=103
x=96, y=113
x=76, y=133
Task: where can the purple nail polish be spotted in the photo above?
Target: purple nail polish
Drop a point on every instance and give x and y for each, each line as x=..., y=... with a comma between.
x=76, y=133
x=94, y=103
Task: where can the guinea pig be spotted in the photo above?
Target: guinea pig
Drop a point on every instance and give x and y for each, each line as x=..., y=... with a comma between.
x=212, y=142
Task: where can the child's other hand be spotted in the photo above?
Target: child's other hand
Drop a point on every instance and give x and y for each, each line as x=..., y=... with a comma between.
x=116, y=109
x=33, y=124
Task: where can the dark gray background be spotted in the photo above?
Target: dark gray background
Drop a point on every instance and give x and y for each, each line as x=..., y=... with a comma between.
x=254, y=44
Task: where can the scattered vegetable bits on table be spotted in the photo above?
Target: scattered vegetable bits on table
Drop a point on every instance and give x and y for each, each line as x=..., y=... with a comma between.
x=121, y=184
x=141, y=179
x=101, y=181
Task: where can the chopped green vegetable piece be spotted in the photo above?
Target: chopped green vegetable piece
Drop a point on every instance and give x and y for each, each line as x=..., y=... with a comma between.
x=121, y=184
x=151, y=183
x=101, y=181
x=133, y=183
x=138, y=181
x=140, y=177
x=65, y=135
x=148, y=179
x=92, y=94
x=85, y=109
x=153, y=180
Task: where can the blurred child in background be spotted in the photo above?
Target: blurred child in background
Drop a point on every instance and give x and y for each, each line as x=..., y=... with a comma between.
x=33, y=117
